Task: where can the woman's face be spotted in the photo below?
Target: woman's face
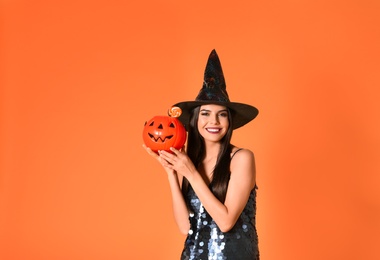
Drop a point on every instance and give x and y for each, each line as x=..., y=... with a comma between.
x=213, y=122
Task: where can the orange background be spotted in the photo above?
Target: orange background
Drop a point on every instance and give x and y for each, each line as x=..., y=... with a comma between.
x=79, y=79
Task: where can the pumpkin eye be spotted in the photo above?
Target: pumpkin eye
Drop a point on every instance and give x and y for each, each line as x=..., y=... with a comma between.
x=171, y=125
x=151, y=124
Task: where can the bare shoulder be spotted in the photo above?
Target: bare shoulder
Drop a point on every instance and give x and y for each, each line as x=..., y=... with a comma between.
x=242, y=157
x=239, y=154
x=243, y=167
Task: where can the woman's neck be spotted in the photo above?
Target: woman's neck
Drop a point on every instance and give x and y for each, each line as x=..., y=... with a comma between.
x=206, y=167
x=211, y=151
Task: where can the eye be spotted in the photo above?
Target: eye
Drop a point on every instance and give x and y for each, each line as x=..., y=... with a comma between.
x=223, y=114
x=171, y=125
x=151, y=124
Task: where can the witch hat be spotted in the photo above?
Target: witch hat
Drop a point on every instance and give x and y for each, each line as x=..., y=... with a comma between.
x=214, y=91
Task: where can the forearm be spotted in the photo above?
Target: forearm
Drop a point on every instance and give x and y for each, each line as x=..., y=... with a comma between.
x=180, y=210
x=217, y=210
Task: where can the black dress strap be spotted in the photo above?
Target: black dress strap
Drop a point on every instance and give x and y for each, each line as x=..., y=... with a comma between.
x=236, y=152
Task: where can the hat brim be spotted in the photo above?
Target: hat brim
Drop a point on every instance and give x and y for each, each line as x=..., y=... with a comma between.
x=241, y=113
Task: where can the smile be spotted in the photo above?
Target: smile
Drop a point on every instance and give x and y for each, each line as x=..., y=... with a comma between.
x=213, y=130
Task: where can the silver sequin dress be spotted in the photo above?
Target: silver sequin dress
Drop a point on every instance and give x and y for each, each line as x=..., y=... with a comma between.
x=205, y=241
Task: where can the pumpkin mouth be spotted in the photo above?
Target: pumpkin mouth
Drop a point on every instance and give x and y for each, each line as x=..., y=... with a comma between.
x=159, y=138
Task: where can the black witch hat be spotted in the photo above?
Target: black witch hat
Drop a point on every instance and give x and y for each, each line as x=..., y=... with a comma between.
x=214, y=91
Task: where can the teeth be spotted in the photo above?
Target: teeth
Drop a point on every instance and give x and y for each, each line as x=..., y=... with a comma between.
x=213, y=130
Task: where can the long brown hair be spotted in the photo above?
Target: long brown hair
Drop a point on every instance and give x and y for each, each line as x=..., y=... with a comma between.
x=196, y=152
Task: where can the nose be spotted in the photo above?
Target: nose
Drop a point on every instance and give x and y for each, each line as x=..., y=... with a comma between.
x=214, y=119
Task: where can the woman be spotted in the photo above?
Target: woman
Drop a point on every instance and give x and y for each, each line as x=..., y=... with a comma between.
x=213, y=185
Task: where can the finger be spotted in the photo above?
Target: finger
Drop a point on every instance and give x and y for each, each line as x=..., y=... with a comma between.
x=150, y=151
x=165, y=154
x=164, y=162
x=175, y=150
x=170, y=158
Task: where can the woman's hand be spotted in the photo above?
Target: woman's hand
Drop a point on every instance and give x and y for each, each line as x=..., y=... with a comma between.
x=178, y=161
x=159, y=159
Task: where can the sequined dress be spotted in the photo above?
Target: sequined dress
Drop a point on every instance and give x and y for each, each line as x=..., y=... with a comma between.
x=206, y=241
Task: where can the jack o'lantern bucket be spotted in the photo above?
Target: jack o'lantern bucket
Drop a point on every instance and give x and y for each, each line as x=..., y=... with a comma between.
x=163, y=132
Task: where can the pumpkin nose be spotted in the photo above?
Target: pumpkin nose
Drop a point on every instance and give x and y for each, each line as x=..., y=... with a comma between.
x=160, y=126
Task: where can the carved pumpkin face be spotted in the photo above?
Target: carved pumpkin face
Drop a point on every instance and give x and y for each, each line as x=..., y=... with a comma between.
x=163, y=132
